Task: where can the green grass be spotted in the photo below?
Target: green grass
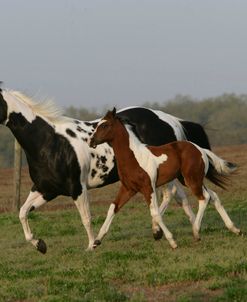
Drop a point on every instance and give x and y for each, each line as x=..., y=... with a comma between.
x=129, y=265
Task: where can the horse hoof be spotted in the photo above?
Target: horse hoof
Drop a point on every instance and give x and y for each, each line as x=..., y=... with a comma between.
x=96, y=243
x=197, y=239
x=173, y=244
x=41, y=246
x=158, y=235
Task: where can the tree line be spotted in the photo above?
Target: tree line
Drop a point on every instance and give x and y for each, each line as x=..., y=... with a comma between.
x=224, y=119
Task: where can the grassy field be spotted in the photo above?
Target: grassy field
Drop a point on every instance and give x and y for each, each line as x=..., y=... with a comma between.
x=129, y=265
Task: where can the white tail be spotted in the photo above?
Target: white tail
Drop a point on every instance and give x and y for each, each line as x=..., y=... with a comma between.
x=222, y=166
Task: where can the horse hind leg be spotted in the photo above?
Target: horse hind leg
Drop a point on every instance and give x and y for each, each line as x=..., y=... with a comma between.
x=181, y=198
x=173, y=189
x=34, y=201
x=221, y=210
x=169, y=191
x=167, y=196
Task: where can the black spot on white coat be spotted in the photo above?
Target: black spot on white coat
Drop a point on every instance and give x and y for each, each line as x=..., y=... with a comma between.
x=70, y=133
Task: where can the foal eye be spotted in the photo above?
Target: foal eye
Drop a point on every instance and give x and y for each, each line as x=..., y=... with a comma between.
x=103, y=126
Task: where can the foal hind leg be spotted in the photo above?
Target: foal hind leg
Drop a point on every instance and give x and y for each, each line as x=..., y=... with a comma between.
x=203, y=201
x=34, y=201
x=220, y=209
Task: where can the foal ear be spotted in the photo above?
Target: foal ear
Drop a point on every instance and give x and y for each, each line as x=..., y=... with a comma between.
x=114, y=111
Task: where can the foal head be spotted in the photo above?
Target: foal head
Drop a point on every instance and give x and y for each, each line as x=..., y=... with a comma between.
x=104, y=131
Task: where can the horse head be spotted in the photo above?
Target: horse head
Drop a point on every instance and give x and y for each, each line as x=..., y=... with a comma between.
x=3, y=107
x=104, y=129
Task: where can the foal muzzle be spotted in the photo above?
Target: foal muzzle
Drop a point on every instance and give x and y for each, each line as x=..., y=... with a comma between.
x=92, y=143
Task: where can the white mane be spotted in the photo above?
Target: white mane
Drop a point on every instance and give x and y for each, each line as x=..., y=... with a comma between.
x=46, y=108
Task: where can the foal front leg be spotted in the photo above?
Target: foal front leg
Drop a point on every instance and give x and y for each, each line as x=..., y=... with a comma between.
x=151, y=199
x=122, y=198
x=34, y=201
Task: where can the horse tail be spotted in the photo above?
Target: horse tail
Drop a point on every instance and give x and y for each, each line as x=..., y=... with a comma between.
x=219, y=169
x=196, y=133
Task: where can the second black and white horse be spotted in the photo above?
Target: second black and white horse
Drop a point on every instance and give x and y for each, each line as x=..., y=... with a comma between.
x=61, y=163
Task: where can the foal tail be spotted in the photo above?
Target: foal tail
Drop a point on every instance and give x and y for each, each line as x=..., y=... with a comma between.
x=219, y=169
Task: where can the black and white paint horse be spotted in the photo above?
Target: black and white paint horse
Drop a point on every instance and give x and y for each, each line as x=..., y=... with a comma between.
x=61, y=162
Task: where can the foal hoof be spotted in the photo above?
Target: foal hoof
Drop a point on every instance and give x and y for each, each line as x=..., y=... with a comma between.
x=41, y=246
x=240, y=233
x=158, y=235
x=96, y=243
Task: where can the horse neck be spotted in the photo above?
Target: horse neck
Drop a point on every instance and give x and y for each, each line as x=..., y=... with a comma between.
x=30, y=134
x=17, y=106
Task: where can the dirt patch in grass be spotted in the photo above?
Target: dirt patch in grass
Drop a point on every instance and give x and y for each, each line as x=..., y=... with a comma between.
x=104, y=195
x=181, y=291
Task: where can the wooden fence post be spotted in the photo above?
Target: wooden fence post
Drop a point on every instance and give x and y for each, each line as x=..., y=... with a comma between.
x=17, y=176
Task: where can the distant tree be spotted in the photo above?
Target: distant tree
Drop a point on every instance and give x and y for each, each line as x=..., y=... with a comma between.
x=81, y=113
x=224, y=118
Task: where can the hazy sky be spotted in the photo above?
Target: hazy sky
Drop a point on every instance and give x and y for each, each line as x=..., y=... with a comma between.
x=123, y=52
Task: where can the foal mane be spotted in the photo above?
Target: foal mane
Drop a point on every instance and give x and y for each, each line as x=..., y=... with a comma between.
x=132, y=127
x=46, y=108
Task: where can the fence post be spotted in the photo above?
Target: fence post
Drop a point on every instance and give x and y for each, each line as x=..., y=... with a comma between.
x=17, y=176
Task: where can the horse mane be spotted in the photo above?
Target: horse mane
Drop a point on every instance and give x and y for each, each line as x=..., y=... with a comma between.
x=46, y=108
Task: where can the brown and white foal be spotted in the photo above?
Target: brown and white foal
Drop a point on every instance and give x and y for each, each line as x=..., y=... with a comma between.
x=142, y=168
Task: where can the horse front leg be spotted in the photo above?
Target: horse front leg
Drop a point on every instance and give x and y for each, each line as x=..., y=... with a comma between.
x=34, y=201
x=122, y=198
x=82, y=204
